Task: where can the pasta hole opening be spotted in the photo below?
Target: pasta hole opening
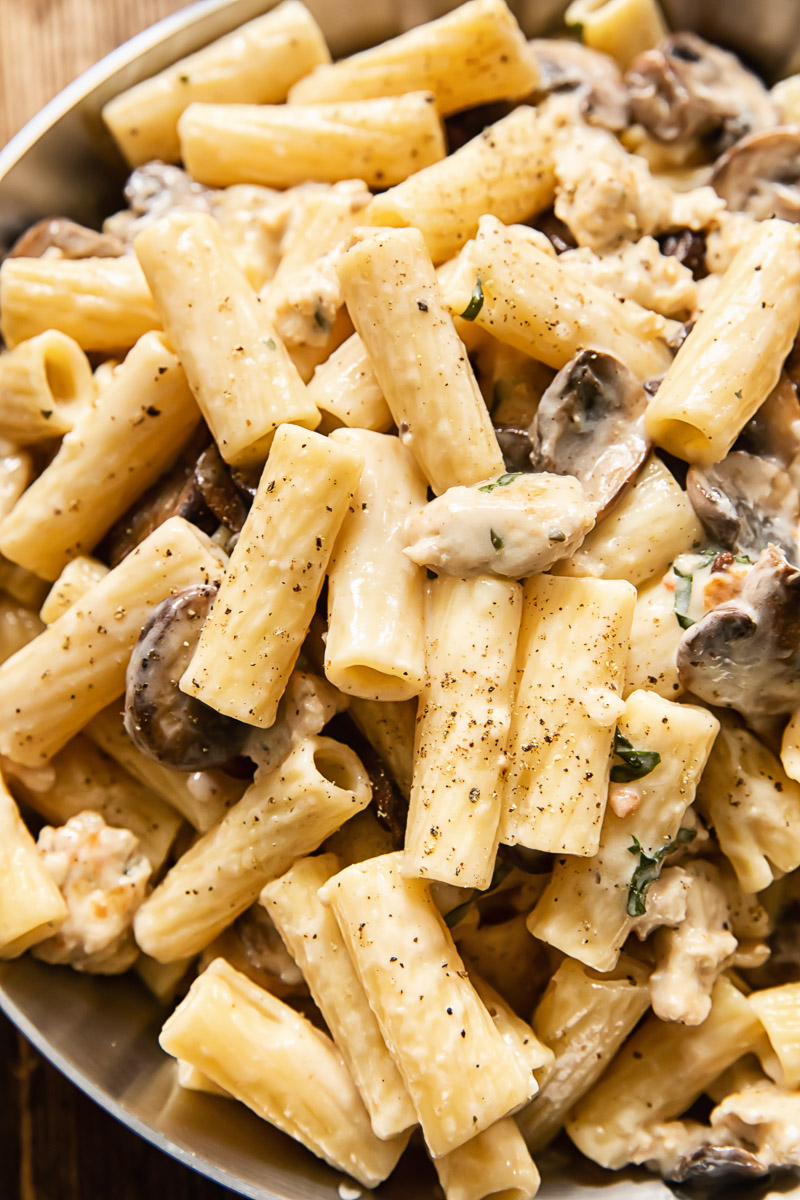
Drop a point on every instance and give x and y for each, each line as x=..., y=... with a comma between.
x=335, y=763
x=685, y=441
x=60, y=376
x=370, y=683
x=511, y=1193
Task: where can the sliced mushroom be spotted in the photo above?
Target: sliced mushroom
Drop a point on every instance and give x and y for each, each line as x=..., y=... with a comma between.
x=745, y=653
x=176, y=494
x=686, y=90
x=516, y=447
x=163, y=723
x=566, y=66
x=590, y=424
x=760, y=174
x=746, y=503
x=716, y=1164
x=689, y=247
x=218, y=489
x=72, y=240
x=556, y=230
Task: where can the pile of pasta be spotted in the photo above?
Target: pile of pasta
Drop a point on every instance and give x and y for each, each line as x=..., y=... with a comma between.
x=399, y=560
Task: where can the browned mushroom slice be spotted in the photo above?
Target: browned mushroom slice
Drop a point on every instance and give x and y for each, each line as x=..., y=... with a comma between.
x=566, y=66
x=686, y=90
x=689, y=247
x=718, y=1164
x=153, y=191
x=746, y=503
x=590, y=424
x=74, y=241
x=161, y=721
x=175, y=494
x=220, y=493
x=515, y=446
x=760, y=174
x=745, y=653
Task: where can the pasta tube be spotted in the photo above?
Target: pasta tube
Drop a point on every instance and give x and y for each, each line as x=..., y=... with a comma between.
x=283, y=815
x=379, y=141
x=44, y=384
x=103, y=304
x=78, y=664
x=471, y=56
x=584, y=1018
x=116, y=450
x=418, y=358
x=683, y=1059
x=237, y=367
x=778, y=1010
x=531, y=302
x=375, y=647
x=346, y=392
x=259, y=1050
x=494, y=1164
x=389, y=727
x=18, y=626
x=81, y=777
x=252, y=637
x=732, y=359
x=621, y=28
x=471, y=628
x=645, y=531
x=31, y=906
x=257, y=63
x=460, y=1073
x=507, y=170
x=752, y=804
x=585, y=908
x=313, y=938
x=78, y=576
x=201, y=797
x=571, y=658
x=655, y=634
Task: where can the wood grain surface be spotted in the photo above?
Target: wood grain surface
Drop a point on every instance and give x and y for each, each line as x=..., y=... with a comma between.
x=55, y=1144
x=45, y=44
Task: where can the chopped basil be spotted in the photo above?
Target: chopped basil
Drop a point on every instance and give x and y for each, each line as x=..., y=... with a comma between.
x=635, y=763
x=460, y=911
x=321, y=321
x=475, y=301
x=683, y=598
x=649, y=869
x=497, y=541
x=501, y=481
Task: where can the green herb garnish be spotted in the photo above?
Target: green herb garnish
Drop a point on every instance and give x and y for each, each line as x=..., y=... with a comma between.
x=321, y=321
x=635, y=763
x=501, y=481
x=497, y=541
x=475, y=302
x=683, y=598
x=649, y=869
x=501, y=870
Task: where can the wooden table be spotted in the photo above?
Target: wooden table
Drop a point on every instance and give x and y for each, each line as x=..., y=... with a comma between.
x=55, y=1144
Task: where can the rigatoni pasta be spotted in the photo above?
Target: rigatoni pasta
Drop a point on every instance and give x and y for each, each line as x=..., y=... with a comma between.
x=257, y=63
x=45, y=382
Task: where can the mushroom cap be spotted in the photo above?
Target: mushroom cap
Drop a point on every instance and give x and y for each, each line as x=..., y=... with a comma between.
x=745, y=503
x=161, y=721
x=567, y=66
x=687, y=90
x=590, y=424
x=715, y=1164
x=745, y=653
x=760, y=174
x=73, y=240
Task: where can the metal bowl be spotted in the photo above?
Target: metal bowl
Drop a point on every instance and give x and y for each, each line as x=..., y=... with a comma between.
x=102, y=1033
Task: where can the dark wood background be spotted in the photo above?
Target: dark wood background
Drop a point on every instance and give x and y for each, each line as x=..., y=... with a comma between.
x=55, y=1144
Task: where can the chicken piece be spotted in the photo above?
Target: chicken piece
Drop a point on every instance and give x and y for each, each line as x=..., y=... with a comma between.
x=103, y=876
x=513, y=526
x=692, y=955
x=640, y=271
